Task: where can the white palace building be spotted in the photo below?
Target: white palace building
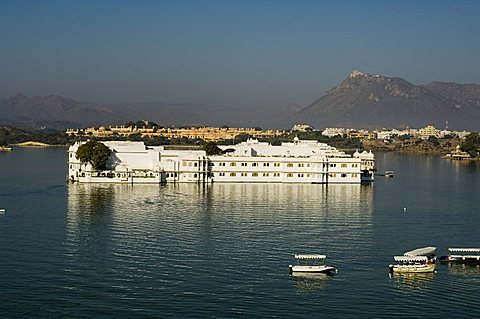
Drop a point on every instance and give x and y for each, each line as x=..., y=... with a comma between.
x=300, y=161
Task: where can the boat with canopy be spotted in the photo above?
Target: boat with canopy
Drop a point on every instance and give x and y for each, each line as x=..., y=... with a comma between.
x=412, y=264
x=311, y=264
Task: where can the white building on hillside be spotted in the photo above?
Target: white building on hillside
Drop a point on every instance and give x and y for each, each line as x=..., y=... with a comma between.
x=334, y=131
x=302, y=127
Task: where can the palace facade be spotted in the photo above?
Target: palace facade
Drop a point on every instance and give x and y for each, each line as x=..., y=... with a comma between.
x=300, y=161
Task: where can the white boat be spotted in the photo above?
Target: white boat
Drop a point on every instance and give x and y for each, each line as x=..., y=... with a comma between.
x=311, y=264
x=5, y=149
x=412, y=264
x=2, y=211
x=462, y=255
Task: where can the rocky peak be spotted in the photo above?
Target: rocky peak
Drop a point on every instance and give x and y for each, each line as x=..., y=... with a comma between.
x=377, y=100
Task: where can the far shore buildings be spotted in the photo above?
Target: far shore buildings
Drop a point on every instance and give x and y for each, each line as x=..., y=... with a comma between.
x=204, y=133
x=252, y=161
x=227, y=133
x=423, y=133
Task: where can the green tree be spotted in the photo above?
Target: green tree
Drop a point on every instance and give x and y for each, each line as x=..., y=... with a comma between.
x=433, y=140
x=471, y=144
x=212, y=148
x=94, y=153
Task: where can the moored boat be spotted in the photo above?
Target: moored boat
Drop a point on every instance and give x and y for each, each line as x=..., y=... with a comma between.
x=462, y=255
x=412, y=264
x=311, y=264
x=5, y=149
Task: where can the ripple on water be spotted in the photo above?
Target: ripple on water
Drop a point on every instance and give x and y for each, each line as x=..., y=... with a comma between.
x=128, y=251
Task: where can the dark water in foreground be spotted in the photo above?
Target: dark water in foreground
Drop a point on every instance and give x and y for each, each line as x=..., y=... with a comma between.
x=122, y=251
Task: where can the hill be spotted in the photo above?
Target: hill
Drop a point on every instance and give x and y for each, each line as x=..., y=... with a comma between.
x=53, y=111
x=375, y=101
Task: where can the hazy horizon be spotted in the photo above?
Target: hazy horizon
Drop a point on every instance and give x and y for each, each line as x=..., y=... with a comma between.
x=236, y=54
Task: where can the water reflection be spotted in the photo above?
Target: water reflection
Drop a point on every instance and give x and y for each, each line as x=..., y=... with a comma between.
x=275, y=218
x=93, y=197
x=309, y=282
x=469, y=270
x=412, y=280
x=319, y=197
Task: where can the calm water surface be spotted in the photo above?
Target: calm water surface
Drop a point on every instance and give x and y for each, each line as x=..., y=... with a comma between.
x=222, y=250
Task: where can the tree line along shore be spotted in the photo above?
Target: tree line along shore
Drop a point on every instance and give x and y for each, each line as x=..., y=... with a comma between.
x=438, y=146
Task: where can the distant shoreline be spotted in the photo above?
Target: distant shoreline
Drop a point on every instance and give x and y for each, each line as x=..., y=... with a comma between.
x=374, y=147
x=36, y=144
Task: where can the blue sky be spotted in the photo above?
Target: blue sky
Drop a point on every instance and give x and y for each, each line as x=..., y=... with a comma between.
x=235, y=53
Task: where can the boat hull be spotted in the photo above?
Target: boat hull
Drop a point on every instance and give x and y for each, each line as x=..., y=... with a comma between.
x=312, y=269
x=412, y=268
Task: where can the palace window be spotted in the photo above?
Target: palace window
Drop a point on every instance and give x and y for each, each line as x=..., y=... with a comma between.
x=265, y=174
x=289, y=175
x=266, y=164
x=300, y=165
x=233, y=164
x=255, y=174
x=233, y=174
x=344, y=175
x=276, y=164
x=254, y=164
x=344, y=165
x=289, y=165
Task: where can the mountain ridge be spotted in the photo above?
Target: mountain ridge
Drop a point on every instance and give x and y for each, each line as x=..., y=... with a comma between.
x=362, y=100
x=371, y=100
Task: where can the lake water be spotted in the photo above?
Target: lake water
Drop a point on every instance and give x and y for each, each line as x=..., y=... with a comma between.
x=223, y=250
